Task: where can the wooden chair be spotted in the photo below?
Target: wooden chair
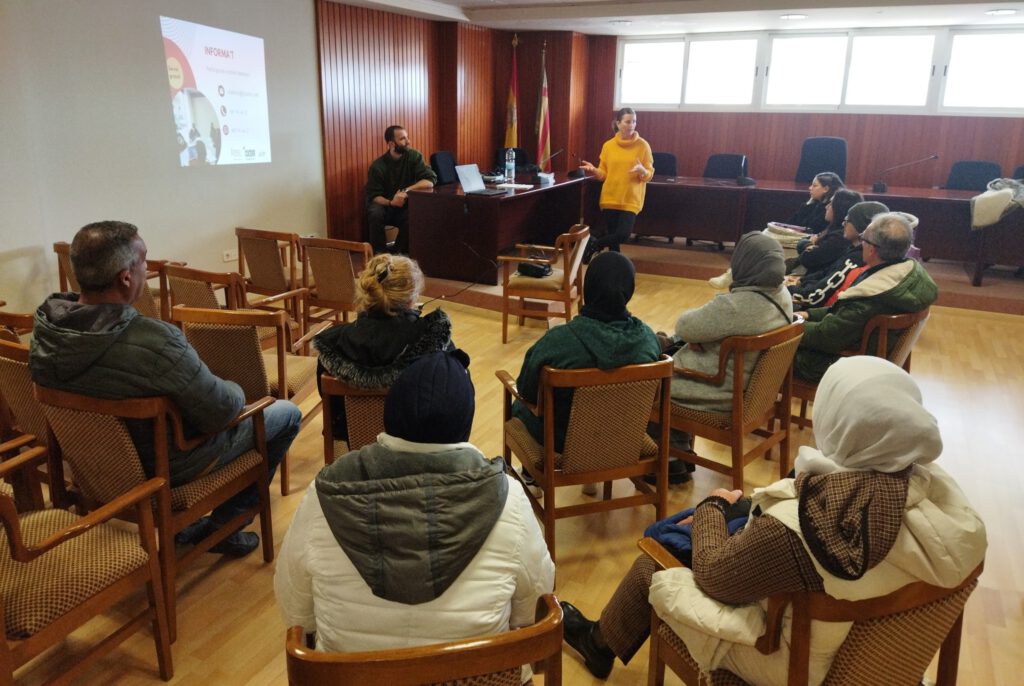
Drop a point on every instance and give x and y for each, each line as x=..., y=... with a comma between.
x=485, y=661
x=564, y=284
x=90, y=433
x=606, y=437
x=892, y=641
x=147, y=304
x=269, y=263
x=14, y=325
x=330, y=275
x=364, y=415
x=756, y=402
x=58, y=571
x=181, y=285
x=21, y=418
x=874, y=341
x=229, y=343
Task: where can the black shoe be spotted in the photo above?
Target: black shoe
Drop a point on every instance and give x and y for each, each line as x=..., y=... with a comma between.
x=578, y=633
x=195, y=532
x=238, y=544
x=589, y=252
x=678, y=472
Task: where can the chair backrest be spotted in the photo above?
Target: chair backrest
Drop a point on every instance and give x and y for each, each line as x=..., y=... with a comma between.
x=443, y=164
x=271, y=259
x=16, y=391
x=1018, y=173
x=725, y=165
x=228, y=341
x=485, y=661
x=972, y=175
x=328, y=263
x=571, y=246
x=664, y=163
x=892, y=640
x=90, y=434
x=879, y=327
x=65, y=273
x=364, y=412
x=775, y=351
x=820, y=154
x=198, y=288
x=609, y=414
x=522, y=159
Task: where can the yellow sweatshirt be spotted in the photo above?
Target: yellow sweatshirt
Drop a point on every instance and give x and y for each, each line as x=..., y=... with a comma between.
x=623, y=189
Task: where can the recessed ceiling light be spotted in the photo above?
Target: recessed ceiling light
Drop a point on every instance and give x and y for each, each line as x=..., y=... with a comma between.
x=620, y=22
x=793, y=17
x=1001, y=13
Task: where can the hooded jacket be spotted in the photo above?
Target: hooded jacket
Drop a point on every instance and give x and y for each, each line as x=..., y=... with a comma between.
x=111, y=351
x=815, y=292
x=402, y=544
x=583, y=342
x=895, y=288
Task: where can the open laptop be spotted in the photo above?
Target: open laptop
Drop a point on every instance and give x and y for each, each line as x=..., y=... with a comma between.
x=472, y=182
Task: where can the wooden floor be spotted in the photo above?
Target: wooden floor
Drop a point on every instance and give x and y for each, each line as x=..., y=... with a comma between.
x=970, y=366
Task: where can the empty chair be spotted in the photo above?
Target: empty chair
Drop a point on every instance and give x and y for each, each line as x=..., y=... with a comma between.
x=664, y=163
x=725, y=165
x=329, y=272
x=972, y=175
x=523, y=161
x=487, y=660
x=443, y=163
x=824, y=153
x=269, y=262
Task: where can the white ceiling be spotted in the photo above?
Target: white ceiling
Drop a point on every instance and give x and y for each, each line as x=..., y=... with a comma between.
x=609, y=17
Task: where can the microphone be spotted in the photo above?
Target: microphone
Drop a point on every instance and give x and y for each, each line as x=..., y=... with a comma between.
x=577, y=173
x=881, y=187
x=549, y=158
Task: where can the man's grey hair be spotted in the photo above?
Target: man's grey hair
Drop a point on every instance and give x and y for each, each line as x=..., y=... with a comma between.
x=891, y=235
x=101, y=251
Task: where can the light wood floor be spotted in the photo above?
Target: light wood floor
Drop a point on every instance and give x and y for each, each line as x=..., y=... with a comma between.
x=970, y=366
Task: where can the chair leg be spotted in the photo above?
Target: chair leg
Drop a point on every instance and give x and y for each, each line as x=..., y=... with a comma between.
x=655, y=665
x=949, y=655
x=161, y=630
x=169, y=565
x=737, y=462
x=282, y=469
x=522, y=310
x=549, y=519
x=504, y=318
x=266, y=523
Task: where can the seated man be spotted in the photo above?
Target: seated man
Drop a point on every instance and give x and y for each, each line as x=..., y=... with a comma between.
x=417, y=538
x=890, y=284
x=861, y=519
x=391, y=176
x=95, y=343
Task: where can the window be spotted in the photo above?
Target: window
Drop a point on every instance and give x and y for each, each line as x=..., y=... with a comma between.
x=806, y=70
x=721, y=72
x=981, y=71
x=652, y=73
x=890, y=71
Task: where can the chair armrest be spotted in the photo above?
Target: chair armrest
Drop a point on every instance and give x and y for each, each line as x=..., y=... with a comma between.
x=535, y=246
x=182, y=443
x=23, y=553
x=35, y=456
x=517, y=259
x=769, y=642
x=509, y=385
x=296, y=292
x=308, y=336
x=701, y=376
x=15, y=443
x=657, y=552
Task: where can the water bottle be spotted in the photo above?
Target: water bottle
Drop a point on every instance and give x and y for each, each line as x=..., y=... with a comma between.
x=510, y=165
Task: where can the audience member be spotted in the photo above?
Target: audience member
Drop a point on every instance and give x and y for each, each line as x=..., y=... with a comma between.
x=417, y=538
x=890, y=284
x=819, y=251
x=625, y=167
x=391, y=177
x=808, y=291
x=97, y=344
x=867, y=513
x=604, y=335
x=388, y=334
x=810, y=216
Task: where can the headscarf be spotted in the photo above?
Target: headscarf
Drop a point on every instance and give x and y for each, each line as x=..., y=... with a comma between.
x=868, y=416
x=608, y=286
x=757, y=262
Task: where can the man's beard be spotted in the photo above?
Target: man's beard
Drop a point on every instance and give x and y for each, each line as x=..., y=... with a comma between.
x=401, y=149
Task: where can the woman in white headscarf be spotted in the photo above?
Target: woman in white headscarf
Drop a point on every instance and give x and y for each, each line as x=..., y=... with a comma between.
x=867, y=513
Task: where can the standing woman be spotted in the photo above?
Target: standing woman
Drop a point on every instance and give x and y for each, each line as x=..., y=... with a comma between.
x=625, y=167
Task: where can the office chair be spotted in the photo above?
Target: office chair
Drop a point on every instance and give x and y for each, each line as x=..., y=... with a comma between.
x=725, y=166
x=664, y=164
x=443, y=163
x=972, y=175
x=824, y=153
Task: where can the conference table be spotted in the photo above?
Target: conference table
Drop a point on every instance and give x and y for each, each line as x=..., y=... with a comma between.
x=454, y=235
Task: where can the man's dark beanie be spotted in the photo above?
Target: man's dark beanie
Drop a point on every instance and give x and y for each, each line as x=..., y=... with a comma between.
x=432, y=401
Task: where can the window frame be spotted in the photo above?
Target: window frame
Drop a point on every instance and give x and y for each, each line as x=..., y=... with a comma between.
x=942, y=68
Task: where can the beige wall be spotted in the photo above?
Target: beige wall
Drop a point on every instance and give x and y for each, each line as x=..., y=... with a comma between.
x=86, y=133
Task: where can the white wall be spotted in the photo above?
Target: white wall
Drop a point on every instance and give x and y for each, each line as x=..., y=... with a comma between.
x=86, y=133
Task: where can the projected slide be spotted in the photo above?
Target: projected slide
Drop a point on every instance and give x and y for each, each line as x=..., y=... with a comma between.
x=218, y=94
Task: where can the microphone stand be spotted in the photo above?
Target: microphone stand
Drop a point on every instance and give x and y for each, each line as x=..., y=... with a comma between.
x=880, y=185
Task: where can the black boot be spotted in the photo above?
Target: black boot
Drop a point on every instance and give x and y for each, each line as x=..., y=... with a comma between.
x=578, y=632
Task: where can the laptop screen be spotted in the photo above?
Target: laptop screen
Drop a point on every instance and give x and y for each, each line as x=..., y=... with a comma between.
x=469, y=177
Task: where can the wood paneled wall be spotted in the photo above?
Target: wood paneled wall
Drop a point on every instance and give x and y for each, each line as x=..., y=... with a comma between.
x=447, y=83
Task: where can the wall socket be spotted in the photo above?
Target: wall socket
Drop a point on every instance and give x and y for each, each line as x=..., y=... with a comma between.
x=231, y=255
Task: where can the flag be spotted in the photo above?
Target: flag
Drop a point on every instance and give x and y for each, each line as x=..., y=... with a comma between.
x=511, y=122
x=543, y=120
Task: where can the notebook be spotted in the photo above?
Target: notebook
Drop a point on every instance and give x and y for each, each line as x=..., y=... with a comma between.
x=472, y=182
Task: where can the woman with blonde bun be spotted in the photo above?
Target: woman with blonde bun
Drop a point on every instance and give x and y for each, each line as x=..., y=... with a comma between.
x=388, y=334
